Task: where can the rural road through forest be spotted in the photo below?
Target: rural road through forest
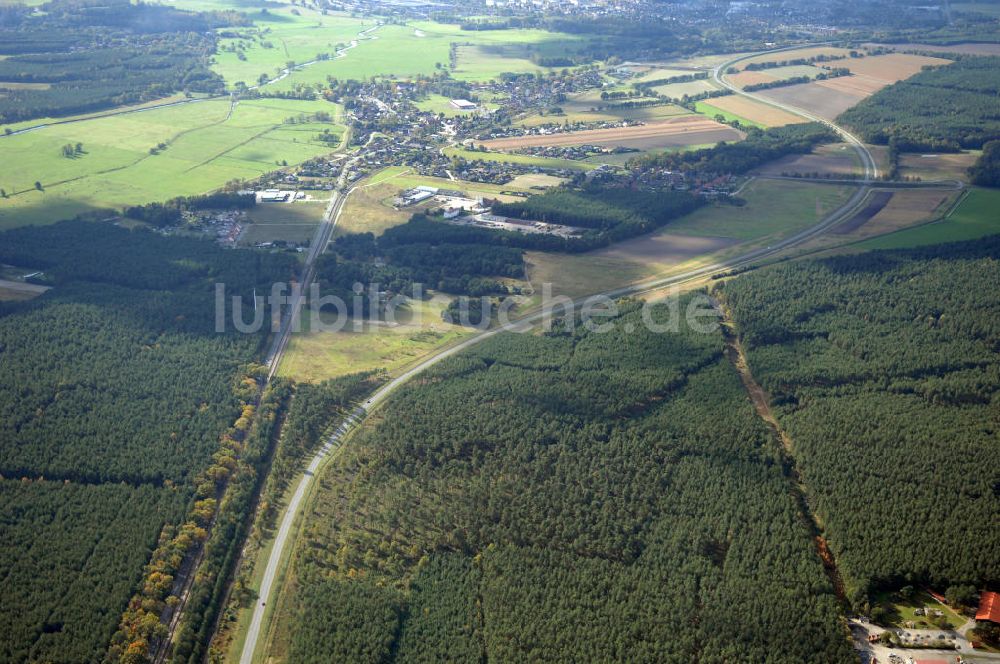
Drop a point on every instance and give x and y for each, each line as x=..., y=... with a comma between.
x=295, y=503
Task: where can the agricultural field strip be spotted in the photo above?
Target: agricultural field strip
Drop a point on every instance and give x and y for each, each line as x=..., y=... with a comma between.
x=126, y=111
x=277, y=551
x=718, y=74
x=686, y=126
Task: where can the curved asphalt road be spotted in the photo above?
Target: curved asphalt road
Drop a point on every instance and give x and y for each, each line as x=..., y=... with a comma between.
x=295, y=503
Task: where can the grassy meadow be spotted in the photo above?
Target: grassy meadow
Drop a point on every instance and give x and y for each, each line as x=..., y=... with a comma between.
x=207, y=144
x=975, y=217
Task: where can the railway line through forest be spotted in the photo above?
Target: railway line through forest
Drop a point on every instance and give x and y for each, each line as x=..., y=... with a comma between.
x=276, y=557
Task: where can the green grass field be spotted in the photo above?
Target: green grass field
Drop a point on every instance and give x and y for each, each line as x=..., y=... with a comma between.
x=299, y=38
x=774, y=208
x=975, y=217
x=291, y=222
x=321, y=355
x=711, y=111
x=297, y=34
x=901, y=612
x=206, y=147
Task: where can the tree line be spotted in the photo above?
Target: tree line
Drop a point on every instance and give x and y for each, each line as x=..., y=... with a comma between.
x=882, y=368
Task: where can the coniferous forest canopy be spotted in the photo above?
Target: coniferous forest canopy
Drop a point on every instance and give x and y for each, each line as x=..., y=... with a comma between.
x=565, y=497
x=883, y=370
x=115, y=391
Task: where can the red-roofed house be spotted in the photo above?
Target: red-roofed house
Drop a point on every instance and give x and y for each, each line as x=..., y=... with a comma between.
x=989, y=607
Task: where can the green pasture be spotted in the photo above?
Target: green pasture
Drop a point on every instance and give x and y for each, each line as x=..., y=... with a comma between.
x=975, y=217
x=205, y=148
x=711, y=111
x=773, y=207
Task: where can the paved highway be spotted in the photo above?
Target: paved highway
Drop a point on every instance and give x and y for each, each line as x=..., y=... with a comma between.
x=295, y=503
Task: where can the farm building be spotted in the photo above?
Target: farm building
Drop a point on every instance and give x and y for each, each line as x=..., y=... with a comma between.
x=989, y=607
x=274, y=196
x=463, y=104
x=416, y=195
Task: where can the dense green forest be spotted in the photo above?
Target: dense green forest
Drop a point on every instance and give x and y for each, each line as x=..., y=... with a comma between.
x=70, y=553
x=986, y=171
x=564, y=497
x=947, y=108
x=95, y=55
x=883, y=369
x=116, y=383
x=760, y=147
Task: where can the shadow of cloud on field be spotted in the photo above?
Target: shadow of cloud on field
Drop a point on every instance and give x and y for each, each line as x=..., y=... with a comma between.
x=44, y=210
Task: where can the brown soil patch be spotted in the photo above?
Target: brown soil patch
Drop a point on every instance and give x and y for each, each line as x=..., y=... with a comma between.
x=625, y=262
x=18, y=290
x=892, y=67
x=858, y=84
x=937, y=166
x=745, y=78
x=906, y=208
x=878, y=200
x=814, y=98
x=688, y=130
x=836, y=159
x=756, y=111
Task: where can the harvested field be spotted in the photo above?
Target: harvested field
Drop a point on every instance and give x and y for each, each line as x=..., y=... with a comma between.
x=937, y=166
x=691, y=88
x=964, y=49
x=756, y=111
x=837, y=159
x=878, y=200
x=810, y=52
x=830, y=98
x=814, y=98
x=853, y=85
x=641, y=258
x=745, y=78
x=907, y=207
x=688, y=130
x=19, y=290
x=536, y=181
x=892, y=67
